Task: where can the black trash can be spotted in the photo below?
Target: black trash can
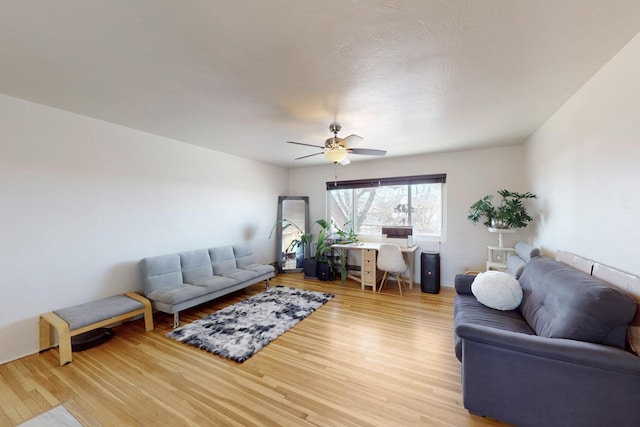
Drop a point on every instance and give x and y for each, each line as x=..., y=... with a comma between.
x=430, y=272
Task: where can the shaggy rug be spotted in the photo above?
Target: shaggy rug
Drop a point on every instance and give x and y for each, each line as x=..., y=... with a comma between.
x=237, y=332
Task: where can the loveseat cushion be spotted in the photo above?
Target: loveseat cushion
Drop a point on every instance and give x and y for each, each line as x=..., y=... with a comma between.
x=561, y=302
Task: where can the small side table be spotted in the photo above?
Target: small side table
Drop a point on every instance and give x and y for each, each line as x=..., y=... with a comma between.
x=497, y=255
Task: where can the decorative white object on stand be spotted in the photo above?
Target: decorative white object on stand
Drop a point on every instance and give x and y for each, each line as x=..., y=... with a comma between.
x=497, y=255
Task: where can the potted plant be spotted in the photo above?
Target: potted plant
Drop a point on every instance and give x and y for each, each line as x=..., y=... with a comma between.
x=329, y=234
x=510, y=213
x=324, y=239
x=345, y=237
x=310, y=263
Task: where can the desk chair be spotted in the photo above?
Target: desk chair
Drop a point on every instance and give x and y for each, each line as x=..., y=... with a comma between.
x=390, y=260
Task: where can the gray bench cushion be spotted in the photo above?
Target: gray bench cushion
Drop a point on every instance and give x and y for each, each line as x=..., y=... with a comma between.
x=96, y=311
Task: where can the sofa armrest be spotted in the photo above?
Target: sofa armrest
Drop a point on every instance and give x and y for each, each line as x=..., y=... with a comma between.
x=529, y=380
x=565, y=350
x=463, y=283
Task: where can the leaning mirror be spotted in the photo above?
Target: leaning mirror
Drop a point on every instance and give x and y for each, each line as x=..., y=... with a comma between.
x=293, y=222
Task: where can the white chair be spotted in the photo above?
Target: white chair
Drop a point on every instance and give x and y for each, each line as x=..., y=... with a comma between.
x=390, y=260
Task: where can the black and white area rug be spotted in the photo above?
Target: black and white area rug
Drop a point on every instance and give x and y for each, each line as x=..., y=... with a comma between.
x=237, y=332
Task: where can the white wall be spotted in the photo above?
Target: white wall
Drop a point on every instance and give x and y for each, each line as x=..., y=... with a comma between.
x=584, y=163
x=470, y=175
x=83, y=200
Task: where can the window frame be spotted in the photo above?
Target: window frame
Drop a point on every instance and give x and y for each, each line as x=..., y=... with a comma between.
x=395, y=181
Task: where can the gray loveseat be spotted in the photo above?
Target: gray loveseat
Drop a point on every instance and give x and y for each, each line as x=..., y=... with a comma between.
x=178, y=281
x=559, y=359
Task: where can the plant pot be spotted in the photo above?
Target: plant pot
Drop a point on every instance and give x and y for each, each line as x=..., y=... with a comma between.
x=498, y=223
x=310, y=268
x=324, y=272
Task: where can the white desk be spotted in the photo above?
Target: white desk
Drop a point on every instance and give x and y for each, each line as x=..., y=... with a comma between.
x=368, y=269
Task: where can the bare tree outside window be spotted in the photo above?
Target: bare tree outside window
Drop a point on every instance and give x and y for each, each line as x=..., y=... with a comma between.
x=369, y=209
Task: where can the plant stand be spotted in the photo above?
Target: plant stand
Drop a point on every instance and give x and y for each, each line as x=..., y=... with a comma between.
x=497, y=255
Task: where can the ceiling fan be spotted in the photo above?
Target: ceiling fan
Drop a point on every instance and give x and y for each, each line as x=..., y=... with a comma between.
x=336, y=149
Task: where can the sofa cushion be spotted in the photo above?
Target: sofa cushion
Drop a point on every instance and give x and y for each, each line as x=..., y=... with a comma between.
x=260, y=268
x=177, y=294
x=215, y=283
x=244, y=260
x=497, y=290
x=515, y=266
x=516, y=261
x=222, y=259
x=196, y=265
x=467, y=309
x=243, y=255
x=241, y=275
x=160, y=272
x=561, y=302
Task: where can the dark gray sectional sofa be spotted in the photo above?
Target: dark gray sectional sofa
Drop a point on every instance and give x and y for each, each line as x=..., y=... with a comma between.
x=560, y=359
x=182, y=280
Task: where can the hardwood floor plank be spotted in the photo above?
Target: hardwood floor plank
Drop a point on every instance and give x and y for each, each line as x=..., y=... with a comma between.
x=362, y=359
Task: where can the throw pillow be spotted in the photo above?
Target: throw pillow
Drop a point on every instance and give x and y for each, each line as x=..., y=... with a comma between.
x=498, y=290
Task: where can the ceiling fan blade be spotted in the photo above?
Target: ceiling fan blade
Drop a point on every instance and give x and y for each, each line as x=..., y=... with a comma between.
x=367, y=151
x=350, y=140
x=308, y=145
x=345, y=161
x=308, y=155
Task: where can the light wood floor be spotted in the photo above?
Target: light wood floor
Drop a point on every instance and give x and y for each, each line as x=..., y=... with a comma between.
x=362, y=359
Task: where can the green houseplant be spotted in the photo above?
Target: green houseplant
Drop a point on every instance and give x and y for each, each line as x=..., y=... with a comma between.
x=329, y=234
x=510, y=213
x=324, y=239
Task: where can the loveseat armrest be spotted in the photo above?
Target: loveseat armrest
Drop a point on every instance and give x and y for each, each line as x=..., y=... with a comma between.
x=529, y=380
x=463, y=283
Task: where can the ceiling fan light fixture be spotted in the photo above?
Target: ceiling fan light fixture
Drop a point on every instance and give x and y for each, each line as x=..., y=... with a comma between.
x=335, y=155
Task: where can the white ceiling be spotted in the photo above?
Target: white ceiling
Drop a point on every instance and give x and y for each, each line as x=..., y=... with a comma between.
x=244, y=76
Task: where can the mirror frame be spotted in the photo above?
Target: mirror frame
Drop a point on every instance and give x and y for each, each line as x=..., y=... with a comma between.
x=281, y=200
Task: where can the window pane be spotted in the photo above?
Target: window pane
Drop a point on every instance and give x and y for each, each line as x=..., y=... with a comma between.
x=379, y=206
x=419, y=205
x=426, y=210
x=340, y=204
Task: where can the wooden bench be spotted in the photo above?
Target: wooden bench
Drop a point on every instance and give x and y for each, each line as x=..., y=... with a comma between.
x=79, y=319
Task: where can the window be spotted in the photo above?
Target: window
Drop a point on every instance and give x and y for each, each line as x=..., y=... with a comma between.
x=373, y=203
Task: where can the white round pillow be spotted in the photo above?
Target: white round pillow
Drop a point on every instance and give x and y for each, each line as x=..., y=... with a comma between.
x=497, y=290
